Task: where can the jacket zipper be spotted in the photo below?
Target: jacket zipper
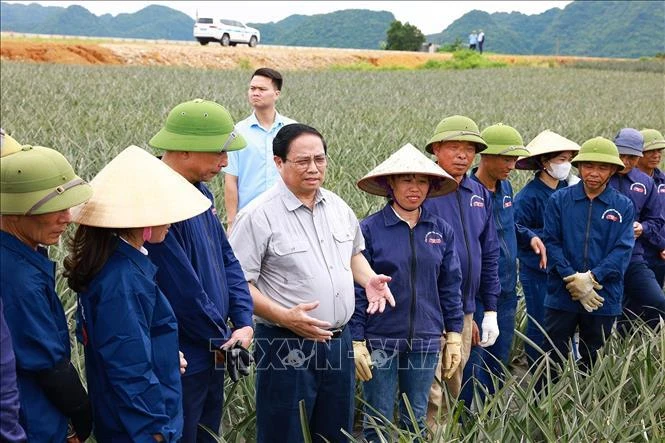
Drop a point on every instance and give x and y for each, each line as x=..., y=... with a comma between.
x=413, y=285
x=466, y=243
x=586, y=235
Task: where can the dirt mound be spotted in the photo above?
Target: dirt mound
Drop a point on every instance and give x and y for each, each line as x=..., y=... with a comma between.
x=58, y=53
x=214, y=56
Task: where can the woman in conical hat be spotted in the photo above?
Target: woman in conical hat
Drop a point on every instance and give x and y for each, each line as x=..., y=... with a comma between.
x=38, y=187
x=550, y=156
x=416, y=249
x=125, y=322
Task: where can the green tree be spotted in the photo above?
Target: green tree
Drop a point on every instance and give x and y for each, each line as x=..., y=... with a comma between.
x=404, y=37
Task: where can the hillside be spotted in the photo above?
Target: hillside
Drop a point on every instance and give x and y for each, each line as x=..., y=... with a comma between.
x=584, y=28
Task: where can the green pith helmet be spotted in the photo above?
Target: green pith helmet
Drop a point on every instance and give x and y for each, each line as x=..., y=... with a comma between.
x=8, y=145
x=457, y=127
x=503, y=140
x=38, y=180
x=653, y=140
x=198, y=126
x=599, y=150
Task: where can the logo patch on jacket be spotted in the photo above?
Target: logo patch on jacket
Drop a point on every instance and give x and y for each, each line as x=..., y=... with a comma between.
x=661, y=189
x=433, y=238
x=638, y=187
x=507, y=201
x=477, y=201
x=612, y=215
x=213, y=210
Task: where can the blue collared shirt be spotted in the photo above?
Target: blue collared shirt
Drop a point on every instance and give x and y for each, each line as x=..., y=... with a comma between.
x=588, y=235
x=254, y=166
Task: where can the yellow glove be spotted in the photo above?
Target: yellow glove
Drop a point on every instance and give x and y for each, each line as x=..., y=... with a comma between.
x=362, y=360
x=452, y=353
x=580, y=283
x=591, y=301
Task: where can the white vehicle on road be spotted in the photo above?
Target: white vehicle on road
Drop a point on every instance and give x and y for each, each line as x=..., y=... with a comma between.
x=226, y=32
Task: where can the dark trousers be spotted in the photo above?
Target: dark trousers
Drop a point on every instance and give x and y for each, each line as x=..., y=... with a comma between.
x=560, y=327
x=202, y=401
x=290, y=369
x=643, y=297
x=657, y=265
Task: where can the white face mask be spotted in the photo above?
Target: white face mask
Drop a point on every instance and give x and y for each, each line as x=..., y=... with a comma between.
x=559, y=171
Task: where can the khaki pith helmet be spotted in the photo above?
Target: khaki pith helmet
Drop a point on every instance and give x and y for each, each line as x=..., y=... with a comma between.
x=599, y=150
x=653, y=139
x=457, y=127
x=503, y=140
x=38, y=180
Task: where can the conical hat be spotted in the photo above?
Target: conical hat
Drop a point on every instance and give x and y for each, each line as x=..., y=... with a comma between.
x=407, y=160
x=545, y=143
x=8, y=145
x=136, y=190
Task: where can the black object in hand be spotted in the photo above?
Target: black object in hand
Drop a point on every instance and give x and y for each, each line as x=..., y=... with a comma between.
x=238, y=360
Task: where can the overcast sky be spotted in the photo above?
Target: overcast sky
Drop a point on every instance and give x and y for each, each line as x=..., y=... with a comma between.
x=429, y=16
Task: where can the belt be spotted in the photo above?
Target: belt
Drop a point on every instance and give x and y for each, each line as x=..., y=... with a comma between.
x=337, y=332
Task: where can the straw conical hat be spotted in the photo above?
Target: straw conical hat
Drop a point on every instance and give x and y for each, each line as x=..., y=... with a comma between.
x=407, y=160
x=8, y=145
x=137, y=190
x=545, y=143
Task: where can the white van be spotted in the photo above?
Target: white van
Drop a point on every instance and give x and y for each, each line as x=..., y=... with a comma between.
x=226, y=32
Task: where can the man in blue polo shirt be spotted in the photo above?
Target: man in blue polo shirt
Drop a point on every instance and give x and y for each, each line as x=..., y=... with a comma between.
x=468, y=210
x=252, y=171
x=642, y=295
x=589, y=237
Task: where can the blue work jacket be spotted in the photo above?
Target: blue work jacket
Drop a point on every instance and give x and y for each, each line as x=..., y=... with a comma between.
x=426, y=281
x=530, y=212
x=130, y=335
x=582, y=235
x=652, y=252
x=468, y=211
x=203, y=281
x=509, y=234
x=38, y=327
x=642, y=191
x=10, y=429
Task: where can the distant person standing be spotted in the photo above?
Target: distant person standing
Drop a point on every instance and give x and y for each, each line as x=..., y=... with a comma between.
x=473, y=40
x=252, y=171
x=481, y=40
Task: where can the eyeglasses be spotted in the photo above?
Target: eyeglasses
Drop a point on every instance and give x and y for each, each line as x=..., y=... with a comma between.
x=303, y=163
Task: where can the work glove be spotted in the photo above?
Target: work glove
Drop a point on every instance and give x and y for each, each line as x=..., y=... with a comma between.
x=591, y=301
x=452, y=354
x=362, y=360
x=238, y=360
x=580, y=283
x=490, y=329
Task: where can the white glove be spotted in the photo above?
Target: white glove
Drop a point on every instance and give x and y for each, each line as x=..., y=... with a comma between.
x=591, y=301
x=490, y=329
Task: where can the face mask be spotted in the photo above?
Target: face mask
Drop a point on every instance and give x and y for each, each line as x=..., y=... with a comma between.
x=559, y=170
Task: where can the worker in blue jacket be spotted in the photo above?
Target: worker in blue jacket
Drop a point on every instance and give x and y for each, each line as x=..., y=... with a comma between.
x=468, y=210
x=649, y=163
x=416, y=249
x=37, y=190
x=642, y=295
x=504, y=147
x=549, y=155
x=197, y=269
x=127, y=327
x=589, y=239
